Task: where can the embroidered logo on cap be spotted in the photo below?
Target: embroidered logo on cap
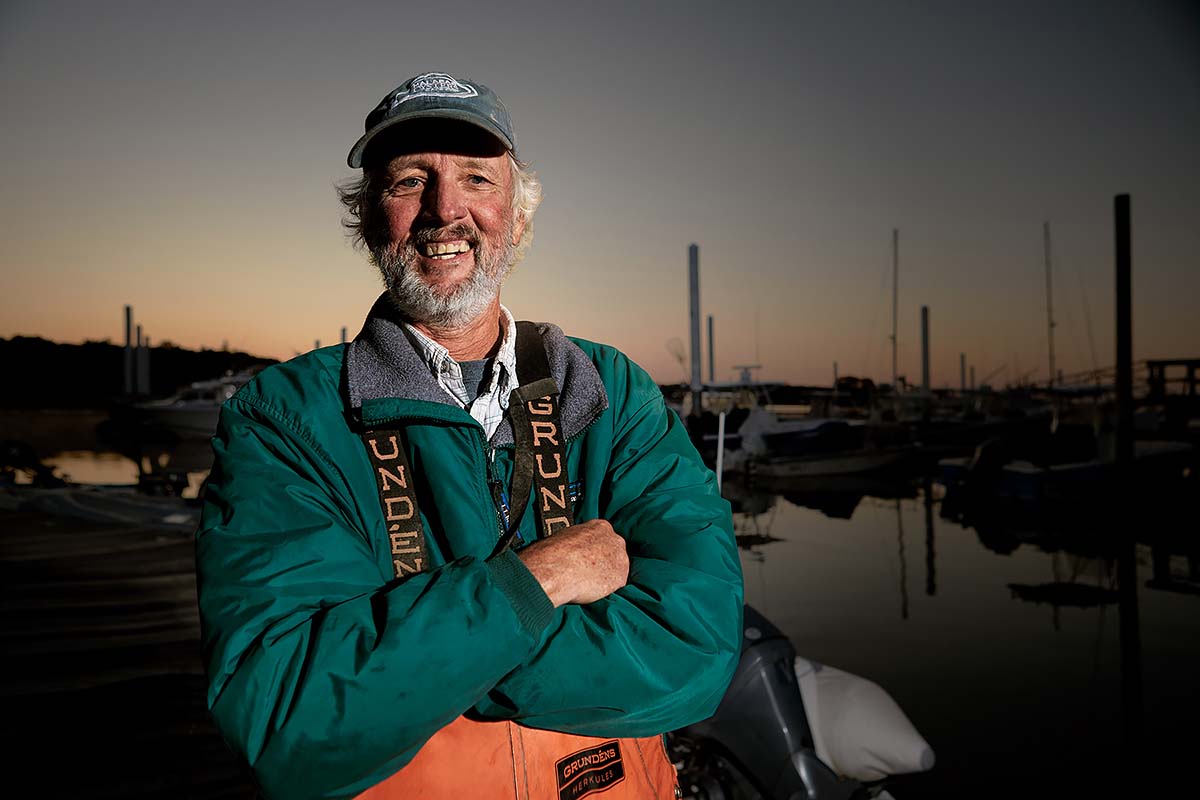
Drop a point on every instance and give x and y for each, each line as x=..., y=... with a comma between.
x=588, y=771
x=434, y=84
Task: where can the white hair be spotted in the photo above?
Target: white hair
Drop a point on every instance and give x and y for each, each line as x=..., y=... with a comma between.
x=527, y=196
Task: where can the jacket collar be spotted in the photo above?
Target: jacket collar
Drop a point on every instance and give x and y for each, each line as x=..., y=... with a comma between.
x=382, y=364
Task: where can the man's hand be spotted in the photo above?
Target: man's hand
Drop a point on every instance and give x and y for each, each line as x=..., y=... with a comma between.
x=579, y=564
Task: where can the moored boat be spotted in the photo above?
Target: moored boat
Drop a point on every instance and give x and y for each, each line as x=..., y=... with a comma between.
x=193, y=411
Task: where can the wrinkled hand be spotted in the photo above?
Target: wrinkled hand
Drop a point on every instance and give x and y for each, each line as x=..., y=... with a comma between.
x=580, y=564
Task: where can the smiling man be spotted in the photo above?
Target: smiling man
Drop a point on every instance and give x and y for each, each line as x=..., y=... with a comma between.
x=461, y=556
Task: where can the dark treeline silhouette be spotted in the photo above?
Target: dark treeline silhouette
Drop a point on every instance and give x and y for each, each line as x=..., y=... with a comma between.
x=39, y=373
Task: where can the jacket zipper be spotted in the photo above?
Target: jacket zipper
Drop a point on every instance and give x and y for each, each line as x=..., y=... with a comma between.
x=499, y=495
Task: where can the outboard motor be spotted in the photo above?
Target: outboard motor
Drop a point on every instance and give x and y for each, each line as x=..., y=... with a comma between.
x=762, y=744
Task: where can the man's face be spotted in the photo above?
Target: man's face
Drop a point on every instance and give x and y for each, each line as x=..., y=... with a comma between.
x=448, y=228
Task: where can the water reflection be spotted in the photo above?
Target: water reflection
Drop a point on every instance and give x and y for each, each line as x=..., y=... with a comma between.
x=903, y=562
x=752, y=515
x=178, y=470
x=1012, y=661
x=86, y=447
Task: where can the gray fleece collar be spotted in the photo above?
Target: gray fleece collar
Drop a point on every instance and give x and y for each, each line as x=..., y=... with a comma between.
x=381, y=363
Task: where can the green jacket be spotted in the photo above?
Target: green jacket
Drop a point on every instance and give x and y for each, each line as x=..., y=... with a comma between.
x=328, y=674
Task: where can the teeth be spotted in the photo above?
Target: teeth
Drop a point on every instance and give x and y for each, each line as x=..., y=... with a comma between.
x=447, y=249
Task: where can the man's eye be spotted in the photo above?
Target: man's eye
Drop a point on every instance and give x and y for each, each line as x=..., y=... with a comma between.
x=409, y=183
x=478, y=180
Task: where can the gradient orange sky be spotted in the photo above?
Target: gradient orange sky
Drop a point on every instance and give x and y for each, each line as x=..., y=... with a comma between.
x=182, y=158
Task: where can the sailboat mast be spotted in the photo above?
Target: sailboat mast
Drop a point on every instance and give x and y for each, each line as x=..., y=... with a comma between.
x=1049, y=304
x=895, y=297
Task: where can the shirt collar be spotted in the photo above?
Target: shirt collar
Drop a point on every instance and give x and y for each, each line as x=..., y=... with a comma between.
x=442, y=366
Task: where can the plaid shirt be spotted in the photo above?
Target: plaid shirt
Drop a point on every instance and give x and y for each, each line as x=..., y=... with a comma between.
x=490, y=406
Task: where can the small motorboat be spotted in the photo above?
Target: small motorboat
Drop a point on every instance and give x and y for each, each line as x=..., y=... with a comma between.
x=193, y=411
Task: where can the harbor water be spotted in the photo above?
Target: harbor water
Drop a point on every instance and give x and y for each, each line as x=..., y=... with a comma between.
x=1004, y=649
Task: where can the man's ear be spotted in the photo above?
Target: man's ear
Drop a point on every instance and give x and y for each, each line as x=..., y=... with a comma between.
x=518, y=229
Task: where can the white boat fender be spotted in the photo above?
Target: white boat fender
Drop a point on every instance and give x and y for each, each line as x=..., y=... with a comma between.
x=858, y=729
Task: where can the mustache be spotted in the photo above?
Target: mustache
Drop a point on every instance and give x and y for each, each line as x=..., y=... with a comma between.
x=459, y=230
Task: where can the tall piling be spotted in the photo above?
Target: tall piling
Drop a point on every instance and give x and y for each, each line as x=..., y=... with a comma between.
x=903, y=561
x=129, y=350
x=142, y=386
x=895, y=297
x=925, y=349
x=1050, y=324
x=694, y=322
x=962, y=372
x=1124, y=303
x=930, y=546
x=711, y=357
x=1131, y=662
x=144, y=366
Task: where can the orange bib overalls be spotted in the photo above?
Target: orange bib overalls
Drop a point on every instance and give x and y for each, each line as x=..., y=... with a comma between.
x=472, y=760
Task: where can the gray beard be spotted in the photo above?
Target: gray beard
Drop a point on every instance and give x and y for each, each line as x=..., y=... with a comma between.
x=419, y=302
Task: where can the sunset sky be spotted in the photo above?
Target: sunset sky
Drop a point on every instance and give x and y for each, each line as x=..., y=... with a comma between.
x=182, y=157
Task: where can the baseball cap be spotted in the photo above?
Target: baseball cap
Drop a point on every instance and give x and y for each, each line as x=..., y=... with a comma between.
x=437, y=95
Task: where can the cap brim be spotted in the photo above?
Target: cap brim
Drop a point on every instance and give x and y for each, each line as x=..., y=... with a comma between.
x=354, y=160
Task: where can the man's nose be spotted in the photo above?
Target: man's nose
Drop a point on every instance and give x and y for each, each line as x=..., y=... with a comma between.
x=444, y=202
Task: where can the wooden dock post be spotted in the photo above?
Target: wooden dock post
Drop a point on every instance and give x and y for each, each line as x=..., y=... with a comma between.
x=1126, y=538
x=694, y=326
x=925, y=385
x=129, y=370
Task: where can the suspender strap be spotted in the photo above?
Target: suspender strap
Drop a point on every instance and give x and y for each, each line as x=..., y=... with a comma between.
x=539, y=458
x=531, y=354
x=540, y=452
x=523, y=462
x=398, y=496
